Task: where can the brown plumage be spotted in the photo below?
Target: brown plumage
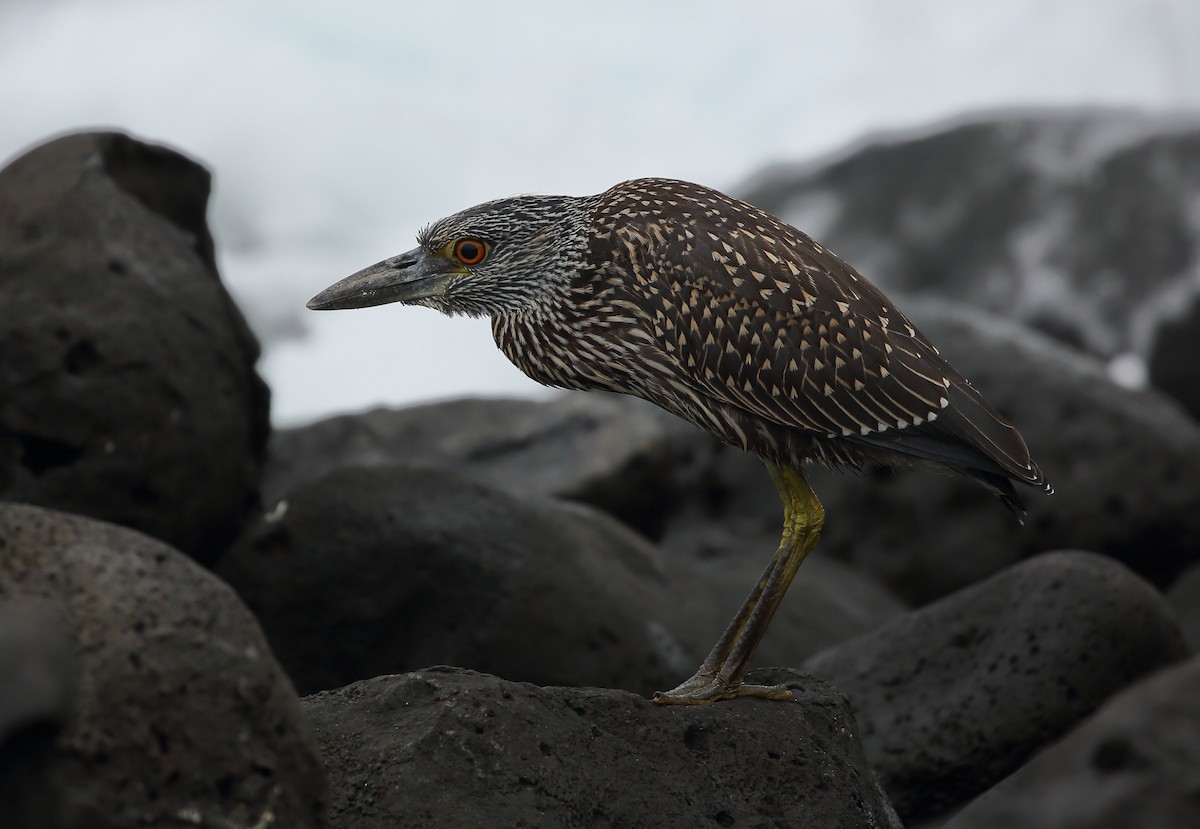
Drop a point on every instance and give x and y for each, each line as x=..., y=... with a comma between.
x=723, y=315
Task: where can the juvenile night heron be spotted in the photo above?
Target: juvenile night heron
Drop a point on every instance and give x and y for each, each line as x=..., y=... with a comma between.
x=720, y=314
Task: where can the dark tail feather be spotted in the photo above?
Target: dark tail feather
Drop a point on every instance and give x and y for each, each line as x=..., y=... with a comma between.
x=956, y=455
x=1002, y=486
x=973, y=420
x=970, y=437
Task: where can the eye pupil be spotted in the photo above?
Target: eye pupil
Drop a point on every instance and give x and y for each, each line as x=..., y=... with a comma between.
x=470, y=251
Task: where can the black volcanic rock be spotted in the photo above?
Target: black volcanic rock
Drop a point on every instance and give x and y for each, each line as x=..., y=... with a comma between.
x=127, y=388
x=182, y=716
x=452, y=748
x=386, y=569
x=951, y=698
x=1135, y=763
x=1081, y=223
x=1125, y=466
x=605, y=450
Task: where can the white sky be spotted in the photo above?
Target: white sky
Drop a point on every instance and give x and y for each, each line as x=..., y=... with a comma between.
x=336, y=129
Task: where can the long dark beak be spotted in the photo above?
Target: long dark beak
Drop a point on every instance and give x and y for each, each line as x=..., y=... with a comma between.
x=402, y=278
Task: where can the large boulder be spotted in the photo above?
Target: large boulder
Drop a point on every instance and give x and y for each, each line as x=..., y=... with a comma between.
x=452, y=748
x=951, y=698
x=1082, y=223
x=127, y=387
x=1135, y=763
x=182, y=716
x=380, y=570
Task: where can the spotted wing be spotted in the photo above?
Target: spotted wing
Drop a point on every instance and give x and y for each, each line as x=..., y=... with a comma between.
x=748, y=311
x=761, y=317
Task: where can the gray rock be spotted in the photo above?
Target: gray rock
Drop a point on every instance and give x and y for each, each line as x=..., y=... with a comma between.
x=1082, y=223
x=381, y=570
x=1135, y=763
x=452, y=748
x=38, y=679
x=386, y=569
x=953, y=697
x=182, y=715
x=603, y=450
x=128, y=391
x=1125, y=466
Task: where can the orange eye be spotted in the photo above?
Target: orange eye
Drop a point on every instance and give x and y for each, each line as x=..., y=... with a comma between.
x=469, y=251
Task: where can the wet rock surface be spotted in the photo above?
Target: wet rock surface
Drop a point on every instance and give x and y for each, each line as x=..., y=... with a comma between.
x=127, y=390
x=951, y=698
x=181, y=713
x=446, y=747
x=1135, y=763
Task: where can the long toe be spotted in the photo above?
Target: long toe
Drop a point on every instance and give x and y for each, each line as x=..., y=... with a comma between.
x=701, y=690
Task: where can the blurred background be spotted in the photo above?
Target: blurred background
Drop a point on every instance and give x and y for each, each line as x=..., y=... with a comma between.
x=336, y=130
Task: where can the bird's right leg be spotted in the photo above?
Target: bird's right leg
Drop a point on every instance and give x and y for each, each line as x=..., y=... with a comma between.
x=721, y=674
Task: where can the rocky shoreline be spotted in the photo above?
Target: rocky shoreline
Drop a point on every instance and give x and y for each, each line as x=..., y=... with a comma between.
x=206, y=622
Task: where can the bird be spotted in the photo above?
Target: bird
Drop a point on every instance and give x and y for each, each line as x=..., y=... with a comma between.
x=727, y=317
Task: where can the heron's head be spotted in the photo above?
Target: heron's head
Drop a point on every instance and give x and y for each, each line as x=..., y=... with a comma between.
x=494, y=258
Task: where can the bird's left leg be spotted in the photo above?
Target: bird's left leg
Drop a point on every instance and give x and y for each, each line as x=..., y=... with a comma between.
x=721, y=674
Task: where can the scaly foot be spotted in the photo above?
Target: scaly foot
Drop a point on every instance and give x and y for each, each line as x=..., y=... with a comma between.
x=704, y=688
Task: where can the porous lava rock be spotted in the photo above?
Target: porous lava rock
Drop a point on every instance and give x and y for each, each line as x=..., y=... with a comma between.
x=127, y=390
x=181, y=715
x=448, y=748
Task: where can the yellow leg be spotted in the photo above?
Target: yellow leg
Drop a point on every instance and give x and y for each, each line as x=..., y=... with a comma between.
x=721, y=674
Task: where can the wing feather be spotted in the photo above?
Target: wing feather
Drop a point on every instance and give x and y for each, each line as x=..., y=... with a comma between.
x=750, y=313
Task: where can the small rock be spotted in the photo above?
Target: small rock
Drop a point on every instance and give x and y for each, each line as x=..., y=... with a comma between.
x=386, y=569
x=953, y=697
x=1135, y=763
x=450, y=748
x=602, y=450
x=128, y=391
x=182, y=715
